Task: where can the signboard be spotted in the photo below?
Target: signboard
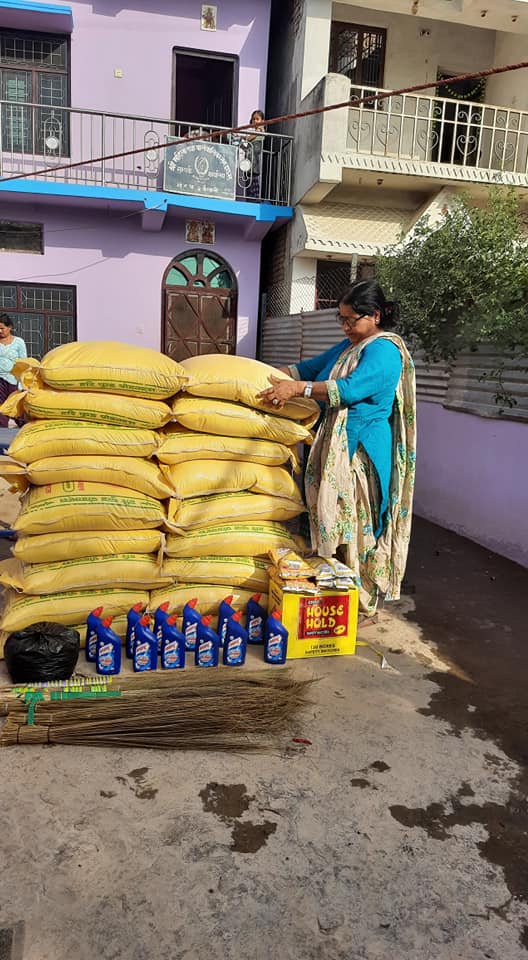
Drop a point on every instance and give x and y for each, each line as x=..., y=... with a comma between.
x=202, y=168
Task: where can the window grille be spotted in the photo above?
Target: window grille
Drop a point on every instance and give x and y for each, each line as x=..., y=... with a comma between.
x=43, y=315
x=358, y=53
x=21, y=237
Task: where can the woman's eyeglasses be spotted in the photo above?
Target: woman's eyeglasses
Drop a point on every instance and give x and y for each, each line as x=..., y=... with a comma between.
x=349, y=320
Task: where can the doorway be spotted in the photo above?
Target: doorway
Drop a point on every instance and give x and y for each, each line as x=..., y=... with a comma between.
x=204, y=88
x=199, y=306
x=457, y=133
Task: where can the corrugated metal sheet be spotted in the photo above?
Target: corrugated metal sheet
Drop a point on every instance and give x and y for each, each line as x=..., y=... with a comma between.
x=476, y=387
x=319, y=332
x=431, y=379
x=281, y=340
x=470, y=385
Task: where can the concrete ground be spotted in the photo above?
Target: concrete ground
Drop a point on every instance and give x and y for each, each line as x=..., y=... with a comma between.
x=399, y=833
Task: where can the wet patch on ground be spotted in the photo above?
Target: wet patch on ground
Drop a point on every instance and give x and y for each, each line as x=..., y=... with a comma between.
x=140, y=786
x=229, y=802
x=467, y=604
x=226, y=801
x=248, y=837
x=360, y=782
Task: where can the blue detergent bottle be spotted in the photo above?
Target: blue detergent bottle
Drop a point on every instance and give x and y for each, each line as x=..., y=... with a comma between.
x=133, y=617
x=172, y=645
x=160, y=617
x=275, y=639
x=207, y=644
x=235, y=644
x=191, y=619
x=145, y=656
x=225, y=611
x=255, y=619
x=108, y=655
x=92, y=622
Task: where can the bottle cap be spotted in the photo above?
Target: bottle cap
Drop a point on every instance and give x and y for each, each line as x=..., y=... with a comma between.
x=164, y=606
x=172, y=619
x=97, y=612
x=192, y=603
x=107, y=621
x=207, y=620
x=277, y=614
x=137, y=607
x=228, y=599
x=256, y=597
x=237, y=616
x=145, y=620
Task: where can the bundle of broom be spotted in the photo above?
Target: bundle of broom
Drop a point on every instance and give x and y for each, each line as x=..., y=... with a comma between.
x=222, y=710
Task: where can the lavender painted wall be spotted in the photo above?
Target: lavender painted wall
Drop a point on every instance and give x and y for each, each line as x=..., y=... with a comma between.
x=138, y=38
x=471, y=478
x=118, y=268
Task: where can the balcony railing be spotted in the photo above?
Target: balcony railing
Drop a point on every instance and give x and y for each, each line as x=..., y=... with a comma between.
x=33, y=138
x=439, y=130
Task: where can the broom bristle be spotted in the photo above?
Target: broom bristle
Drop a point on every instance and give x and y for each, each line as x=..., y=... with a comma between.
x=220, y=710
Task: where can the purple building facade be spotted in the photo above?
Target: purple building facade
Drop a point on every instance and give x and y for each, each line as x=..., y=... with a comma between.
x=136, y=242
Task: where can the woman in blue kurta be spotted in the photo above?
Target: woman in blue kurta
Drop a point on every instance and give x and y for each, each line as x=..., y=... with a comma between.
x=360, y=472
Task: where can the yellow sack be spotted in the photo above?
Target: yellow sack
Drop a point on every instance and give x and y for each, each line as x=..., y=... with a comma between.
x=131, y=472
x=236, y=539
x=51, y=547
x=87, y=506
x=67, y=608
x=47, y=404
x=244, y=572
x=242, y=379
x=234, y=420
x=58, y=438
x=109, y=367
x=122, y=570
x=178, y=445
x=200, y=511
x=203, y=478
x=209, y=597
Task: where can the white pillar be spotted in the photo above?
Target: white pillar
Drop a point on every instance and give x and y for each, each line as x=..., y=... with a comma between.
x=303, y=284
x=318, y=20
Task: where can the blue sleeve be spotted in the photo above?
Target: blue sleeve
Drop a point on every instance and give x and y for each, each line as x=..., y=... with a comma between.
x=22, y=351
x=378, y=370
x=310, y=369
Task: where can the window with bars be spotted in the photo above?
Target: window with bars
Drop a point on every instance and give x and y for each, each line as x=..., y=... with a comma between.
x=358, y=53
x=331, y=280
x=43, y=315
x=34, y=69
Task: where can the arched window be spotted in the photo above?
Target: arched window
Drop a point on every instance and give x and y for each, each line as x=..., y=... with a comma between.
x=199, y=297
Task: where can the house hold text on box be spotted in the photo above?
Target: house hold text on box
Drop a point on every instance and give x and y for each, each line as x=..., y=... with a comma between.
x=323, y=616
x=201, y=168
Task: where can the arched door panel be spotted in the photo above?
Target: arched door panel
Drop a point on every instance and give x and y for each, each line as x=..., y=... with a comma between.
x=199, y=306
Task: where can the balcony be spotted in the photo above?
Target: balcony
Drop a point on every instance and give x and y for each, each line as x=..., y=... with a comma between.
x=36, y=137
x=474, y=140
x=412, y=135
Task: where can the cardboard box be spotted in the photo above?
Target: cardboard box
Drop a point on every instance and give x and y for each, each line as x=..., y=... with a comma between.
x=318, y=625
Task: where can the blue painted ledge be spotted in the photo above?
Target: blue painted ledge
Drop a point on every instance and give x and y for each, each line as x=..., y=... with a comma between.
x=155, y=200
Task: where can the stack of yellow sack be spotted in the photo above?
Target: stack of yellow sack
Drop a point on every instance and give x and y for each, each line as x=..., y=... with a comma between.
x=89, y=530
x=228, y=458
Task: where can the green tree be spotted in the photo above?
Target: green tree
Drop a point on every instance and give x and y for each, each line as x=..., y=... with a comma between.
x=463, y=281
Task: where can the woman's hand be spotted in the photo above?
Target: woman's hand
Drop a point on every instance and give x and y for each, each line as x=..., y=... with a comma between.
x=280, y=391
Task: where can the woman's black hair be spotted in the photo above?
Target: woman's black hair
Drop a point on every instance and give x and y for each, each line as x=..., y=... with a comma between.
x=6, y=320
x=367, y=297
x=253, y=115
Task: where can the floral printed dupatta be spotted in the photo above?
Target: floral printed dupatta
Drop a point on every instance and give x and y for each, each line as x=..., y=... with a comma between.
x=333, y=493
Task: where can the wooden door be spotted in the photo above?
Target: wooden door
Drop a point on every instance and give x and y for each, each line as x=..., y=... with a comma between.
x=199, y=313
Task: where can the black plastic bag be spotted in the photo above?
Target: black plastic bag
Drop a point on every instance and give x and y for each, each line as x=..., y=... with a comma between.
x=43, y=651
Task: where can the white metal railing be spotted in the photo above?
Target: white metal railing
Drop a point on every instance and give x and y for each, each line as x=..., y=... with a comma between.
x=439, y=130
x=34, y=137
